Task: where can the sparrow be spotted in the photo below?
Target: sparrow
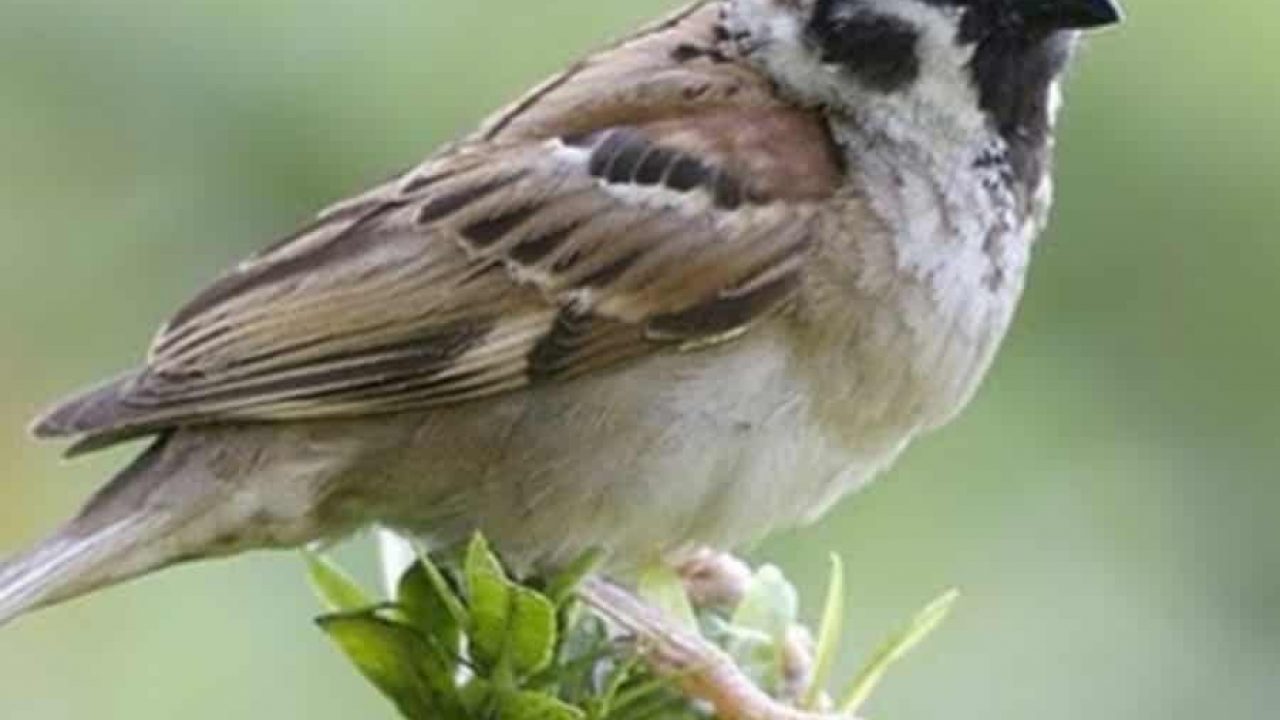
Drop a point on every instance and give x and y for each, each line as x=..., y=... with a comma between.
x=693, y=289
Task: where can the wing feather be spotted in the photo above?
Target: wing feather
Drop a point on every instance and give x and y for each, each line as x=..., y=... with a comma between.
x=557, y=241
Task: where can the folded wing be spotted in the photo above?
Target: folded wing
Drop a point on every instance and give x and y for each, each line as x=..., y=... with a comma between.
x=516, y=258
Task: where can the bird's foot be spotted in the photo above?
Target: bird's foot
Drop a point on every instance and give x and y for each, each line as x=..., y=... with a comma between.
x=713, y=579
x=718, y=580
x=699, y=669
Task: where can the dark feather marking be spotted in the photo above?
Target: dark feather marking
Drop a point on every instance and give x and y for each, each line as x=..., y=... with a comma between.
x=420, y=356
x=612, y=271
x=181, y=333
x=421, y=182
x=686, y=52
x=623, y=167
x=535, y=247
x=654, y=166
x=555, y=351
x=484, y=233
x=245, y=364
x=610, y=144
x=582, y=140
x=567, y=261
x=724, y=314
x=727, y=191
x=626, y=156
x=693, y=92
x=687, y=174
x=442, y=206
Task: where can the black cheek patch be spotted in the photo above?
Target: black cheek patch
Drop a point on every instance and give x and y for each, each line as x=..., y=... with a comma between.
x=879, y=50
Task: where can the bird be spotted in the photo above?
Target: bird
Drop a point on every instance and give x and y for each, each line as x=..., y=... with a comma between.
x=695, y=288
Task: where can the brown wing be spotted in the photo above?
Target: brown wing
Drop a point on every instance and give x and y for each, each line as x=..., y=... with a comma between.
x=517, y=258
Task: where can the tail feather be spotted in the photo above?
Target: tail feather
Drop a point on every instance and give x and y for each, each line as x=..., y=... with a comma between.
x=174, y=502
x=154, y=513
x=67, y=565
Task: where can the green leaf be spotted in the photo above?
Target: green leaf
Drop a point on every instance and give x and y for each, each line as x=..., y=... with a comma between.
x=652, y=699
x=428, y=603
x=486, y=699
x=561, y=588
x=764, y=617
x=829, y=632
x=584, y=656
x=445, y=591
x=535, y=706
x=662, y=588
x=924, y=623
x=756, y=654
x=619, y=674
x=337, y=591
x=770, y=605
x=414, y=675
x=532, y=626
x=512, y=627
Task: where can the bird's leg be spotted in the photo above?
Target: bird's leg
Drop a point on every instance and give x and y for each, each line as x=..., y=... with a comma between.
x=700, y=669
x=714, y=579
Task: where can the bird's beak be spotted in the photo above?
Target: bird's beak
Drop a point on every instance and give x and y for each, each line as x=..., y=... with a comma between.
x=1072, y=14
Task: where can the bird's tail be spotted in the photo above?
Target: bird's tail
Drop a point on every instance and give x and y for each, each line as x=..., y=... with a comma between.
x=69, y=565
x=145, y=519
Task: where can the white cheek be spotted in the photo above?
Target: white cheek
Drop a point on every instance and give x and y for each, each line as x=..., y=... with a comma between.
x=776, y=40
x=944, y=80
x=1055, y=102
x=763, y=18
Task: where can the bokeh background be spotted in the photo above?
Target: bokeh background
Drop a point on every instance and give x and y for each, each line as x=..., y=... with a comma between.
x=1109, y=505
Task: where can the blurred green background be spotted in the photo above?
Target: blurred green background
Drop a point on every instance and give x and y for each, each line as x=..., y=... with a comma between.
x=1109, y=504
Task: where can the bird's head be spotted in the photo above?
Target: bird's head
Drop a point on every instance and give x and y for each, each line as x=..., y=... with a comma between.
x=992, y=60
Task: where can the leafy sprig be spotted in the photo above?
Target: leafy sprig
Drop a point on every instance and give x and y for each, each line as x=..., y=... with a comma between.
x=463, y=640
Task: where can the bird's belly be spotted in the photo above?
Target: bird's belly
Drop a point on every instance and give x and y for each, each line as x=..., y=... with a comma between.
x=718, y=447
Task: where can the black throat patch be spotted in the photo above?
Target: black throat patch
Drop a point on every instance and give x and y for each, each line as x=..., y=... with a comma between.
x=1013, y=70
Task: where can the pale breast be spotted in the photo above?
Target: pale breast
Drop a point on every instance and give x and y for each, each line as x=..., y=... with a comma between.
x=925, y=257
x=717, y=447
